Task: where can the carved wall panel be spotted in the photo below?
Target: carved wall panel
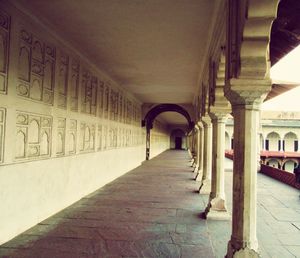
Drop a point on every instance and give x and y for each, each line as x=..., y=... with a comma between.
x=2, y=126
x=106, y=102
x=120, y=108
x=4, y=45
x=99, y=137
x=87, y=137
x=105, y=144
x=61, y=136
x=33, y=137
x=63, y=80
x=114, y=105
x=128, y=111
x=36, y=68
x=89, y=93
x=72, y=136
x=101, y=99
x=74, y=85
x=110, y=138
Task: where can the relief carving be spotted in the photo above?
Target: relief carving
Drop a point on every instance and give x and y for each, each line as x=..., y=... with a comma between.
x=89, y=93
x=106, y=102
x=63, y=80
x=33, y=137
x=72, y=136
x=74, y=85
x=105, y=137
x=87, y=137
x=36, y=69
x=99, y=137
x=4, y=45
x=101, y=101
x=61, y=136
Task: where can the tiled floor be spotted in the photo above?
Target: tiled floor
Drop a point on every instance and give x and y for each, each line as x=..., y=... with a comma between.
x=155, y=211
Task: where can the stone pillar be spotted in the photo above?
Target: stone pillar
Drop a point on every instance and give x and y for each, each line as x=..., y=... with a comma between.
x=245, y=106
x=197, y=149
x=200, y=153
x=216, y=208
x=205, y=187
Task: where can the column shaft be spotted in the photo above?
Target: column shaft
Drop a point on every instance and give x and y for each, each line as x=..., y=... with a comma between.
x=243, y=241
x=205, y=187
x=216, y=208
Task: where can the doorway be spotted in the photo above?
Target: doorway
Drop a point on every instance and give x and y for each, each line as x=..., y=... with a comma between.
x=178, y=143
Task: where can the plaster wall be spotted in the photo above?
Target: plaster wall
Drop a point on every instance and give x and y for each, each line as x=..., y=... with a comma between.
x=66, y=128
x=159, y=138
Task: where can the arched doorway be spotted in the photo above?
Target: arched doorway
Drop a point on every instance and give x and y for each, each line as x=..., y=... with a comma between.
x=178, y=139
x=290, y=142
x=273, y=142
x=157, y=110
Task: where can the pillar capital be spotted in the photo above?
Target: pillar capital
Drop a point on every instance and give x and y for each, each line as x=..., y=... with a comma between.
x=206, y=121
x=247, y=92
x=219, y=113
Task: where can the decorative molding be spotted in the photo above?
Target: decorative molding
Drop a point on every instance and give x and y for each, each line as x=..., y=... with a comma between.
x=33, y=139
x=4, y=47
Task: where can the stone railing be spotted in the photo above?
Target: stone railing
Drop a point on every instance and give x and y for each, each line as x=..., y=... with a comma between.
x=229, y=154
x=280, y=175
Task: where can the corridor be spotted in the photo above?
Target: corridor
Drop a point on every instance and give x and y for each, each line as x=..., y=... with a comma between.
x=155, y=211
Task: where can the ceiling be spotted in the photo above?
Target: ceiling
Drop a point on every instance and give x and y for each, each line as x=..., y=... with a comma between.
x=172, y=118
x=154, y=49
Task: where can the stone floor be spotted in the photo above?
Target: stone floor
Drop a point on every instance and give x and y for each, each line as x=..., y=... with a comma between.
x=155, y=211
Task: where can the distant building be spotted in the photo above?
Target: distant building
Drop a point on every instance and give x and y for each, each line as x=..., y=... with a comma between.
x=279, y=132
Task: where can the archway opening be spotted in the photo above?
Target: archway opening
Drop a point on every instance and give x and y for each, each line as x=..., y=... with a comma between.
x=176, y=122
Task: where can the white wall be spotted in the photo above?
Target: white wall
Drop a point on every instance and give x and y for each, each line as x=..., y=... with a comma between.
x=59, y=140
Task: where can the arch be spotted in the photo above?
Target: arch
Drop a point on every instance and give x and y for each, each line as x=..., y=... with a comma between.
x=44, y=144
x=72, y=144
x=290, y=135
x=20, y=144
x=33, y=131
x=60, y=143
x=273, y=141
x=289, y=165
x=290, y=142
x=155, y=111
x=272, y=162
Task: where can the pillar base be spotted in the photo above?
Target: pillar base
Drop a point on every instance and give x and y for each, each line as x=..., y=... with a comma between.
x=216, y=209
x=192, y=162
x=205, y=187
x=196, y=169
x=245, y=252
x=199, y=176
